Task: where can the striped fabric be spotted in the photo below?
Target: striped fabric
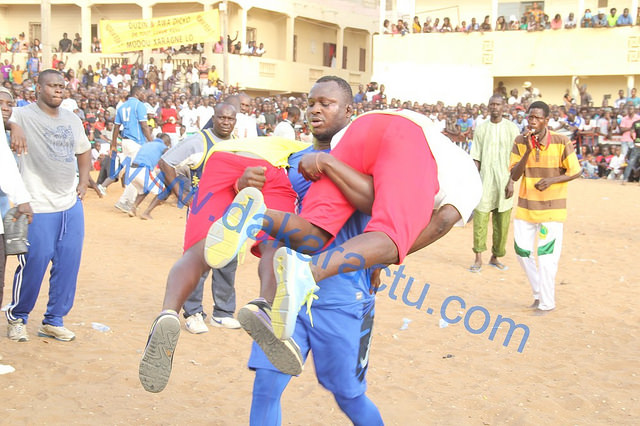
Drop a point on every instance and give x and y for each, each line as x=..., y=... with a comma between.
x=558, y=158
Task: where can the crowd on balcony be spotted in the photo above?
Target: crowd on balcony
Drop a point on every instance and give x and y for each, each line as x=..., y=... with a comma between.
x=535, y=19
x=94, y=92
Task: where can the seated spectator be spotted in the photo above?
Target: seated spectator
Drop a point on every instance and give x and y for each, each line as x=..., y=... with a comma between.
x=556, y=22
x=436, y=26
x=462, y=28
x=427, y=28
x=524, y=23
x=514, y=24
x=570, y=22
x=24, y=44
x=625, y=19
x=532, y=24
x=521, y=122
x=76, y=46
x=402, y=28
x=473, y=26
x=96, y=46
x=501, y=24
x=546, y=24
x=416, y=28
x=600, y=20
x=617, y=164
x=446, y=26
x=590, y=168
x=587, y=131
x=387, y=28
x=486, y=24
x=587, y=19
x=603, y=161
x=612, y=18
x=634, y=99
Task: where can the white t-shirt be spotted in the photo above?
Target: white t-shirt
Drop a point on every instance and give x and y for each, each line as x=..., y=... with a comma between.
x=205, y=113
x=285, y=129
x=189, y=119
x=69, y=104
x=10, y=180
x=49, y=171
x=167, y=70
x=246, y=126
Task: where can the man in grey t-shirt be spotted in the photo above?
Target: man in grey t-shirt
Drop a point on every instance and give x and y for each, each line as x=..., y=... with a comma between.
x=57, y=147
x=192, y=153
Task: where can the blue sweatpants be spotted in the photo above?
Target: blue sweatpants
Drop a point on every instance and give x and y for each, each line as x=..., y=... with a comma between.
x=54, y=238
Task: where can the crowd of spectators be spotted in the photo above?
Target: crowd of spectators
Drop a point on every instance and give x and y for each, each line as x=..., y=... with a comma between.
x=535, y=19
x=192, y=89
x=21, y=45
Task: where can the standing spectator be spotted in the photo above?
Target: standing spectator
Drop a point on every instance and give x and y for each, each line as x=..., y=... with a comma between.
x=634, y=154
x=205, y=112
x=520, y=121
x=286, y=128
x=6, y=69
x=167, y=69
x=624, y=20
x=634, y=98
x=616, y=165
x=218, y=47
x=446, y=26
x=490, y=150
x=587, y=19
x=501, y=24
x=570, y=23
x=600, y=20
x=626, y=141
x=556, y=22
x=57, y=144
x=168, y=119
x=621, y=101
x=542, y=202
x=260, y=50
x=189, y=118
x=64, y=45
x=473, y=26
x=213, y=76
x=246, y=125
x=11, y=185
x=132, y=116
x=203, y=76
x=96, y=46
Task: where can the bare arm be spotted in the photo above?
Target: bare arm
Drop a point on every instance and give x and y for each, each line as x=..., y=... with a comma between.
x=355, y=186
x=84, y=165
x=114, y=138
x=146, y=130
x=518, y=169
x=169, y=175
x=441, y=222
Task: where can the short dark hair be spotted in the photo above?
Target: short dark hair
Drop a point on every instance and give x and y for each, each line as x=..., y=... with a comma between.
x=342, y=83
x=47, y=72
x=540, y=105
x=293, y=111
x=135, y=90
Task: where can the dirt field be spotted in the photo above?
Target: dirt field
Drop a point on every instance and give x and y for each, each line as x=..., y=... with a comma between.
x=578, y=366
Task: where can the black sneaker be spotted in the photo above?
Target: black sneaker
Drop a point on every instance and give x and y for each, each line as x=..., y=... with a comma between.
x=255, y=318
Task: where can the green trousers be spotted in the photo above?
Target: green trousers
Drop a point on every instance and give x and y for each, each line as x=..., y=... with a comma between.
x=500, y=222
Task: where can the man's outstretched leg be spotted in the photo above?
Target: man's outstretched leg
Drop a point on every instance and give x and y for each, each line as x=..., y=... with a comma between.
x=155, y=365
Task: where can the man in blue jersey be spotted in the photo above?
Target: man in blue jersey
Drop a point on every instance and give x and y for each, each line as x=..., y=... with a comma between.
x=143, y=177
x=132, y=116
x=338, y=330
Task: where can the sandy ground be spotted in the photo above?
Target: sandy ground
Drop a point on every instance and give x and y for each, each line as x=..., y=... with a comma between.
x=579, y=365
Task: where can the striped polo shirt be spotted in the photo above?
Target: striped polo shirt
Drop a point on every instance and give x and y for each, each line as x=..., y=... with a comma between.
x=558, y=158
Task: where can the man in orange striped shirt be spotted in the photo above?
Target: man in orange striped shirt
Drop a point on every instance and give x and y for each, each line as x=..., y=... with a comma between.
x=547, y=161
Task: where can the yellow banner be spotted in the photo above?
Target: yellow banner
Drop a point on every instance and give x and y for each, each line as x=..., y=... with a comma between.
x=130, y=36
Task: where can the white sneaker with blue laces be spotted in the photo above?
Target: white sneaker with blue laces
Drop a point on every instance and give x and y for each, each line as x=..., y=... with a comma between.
x=296, y=286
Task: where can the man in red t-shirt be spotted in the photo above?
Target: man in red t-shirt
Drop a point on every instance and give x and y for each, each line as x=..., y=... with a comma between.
x=168, y=121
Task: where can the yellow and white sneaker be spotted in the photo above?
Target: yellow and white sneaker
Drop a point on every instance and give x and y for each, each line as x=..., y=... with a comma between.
x=228, y=234
x=296, y=286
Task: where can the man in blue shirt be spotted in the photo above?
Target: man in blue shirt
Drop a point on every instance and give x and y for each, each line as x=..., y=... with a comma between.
x=143, y=177
x=624, y=20
x=131, y=125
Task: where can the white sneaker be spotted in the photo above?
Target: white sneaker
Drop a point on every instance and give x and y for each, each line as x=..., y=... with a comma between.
x=123, y=207
x=56, y=332
x=102, y=190
x=227, y=235
x=296, y=286
x=195, y=324
x=226, y=322
x=17, y=331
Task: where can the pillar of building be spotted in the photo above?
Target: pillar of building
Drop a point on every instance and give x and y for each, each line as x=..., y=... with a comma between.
x=339, y=44
x=368, y=54
x=289, y=35
x=85, y=17
x=243, y=26
x=494, y=11
x=45, y=19
x=208, y=45
x=631, y=83
x=147, y=13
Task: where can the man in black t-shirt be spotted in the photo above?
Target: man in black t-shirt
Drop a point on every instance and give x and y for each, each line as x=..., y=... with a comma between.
x=634, y=153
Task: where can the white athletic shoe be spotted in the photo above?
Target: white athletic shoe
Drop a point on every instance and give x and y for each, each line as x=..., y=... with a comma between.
x=17, y=331
x=296, y=286
x=195, y=324
x=56, y=332
x=228, y=234
x=226, y=322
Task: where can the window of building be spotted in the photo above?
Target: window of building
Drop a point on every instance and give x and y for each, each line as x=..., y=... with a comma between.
x=252, y=35
x=603, y=4
x=295, y=48
x=344, y=57
x=363, y=60
x=328, y=54
x=35, y=31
